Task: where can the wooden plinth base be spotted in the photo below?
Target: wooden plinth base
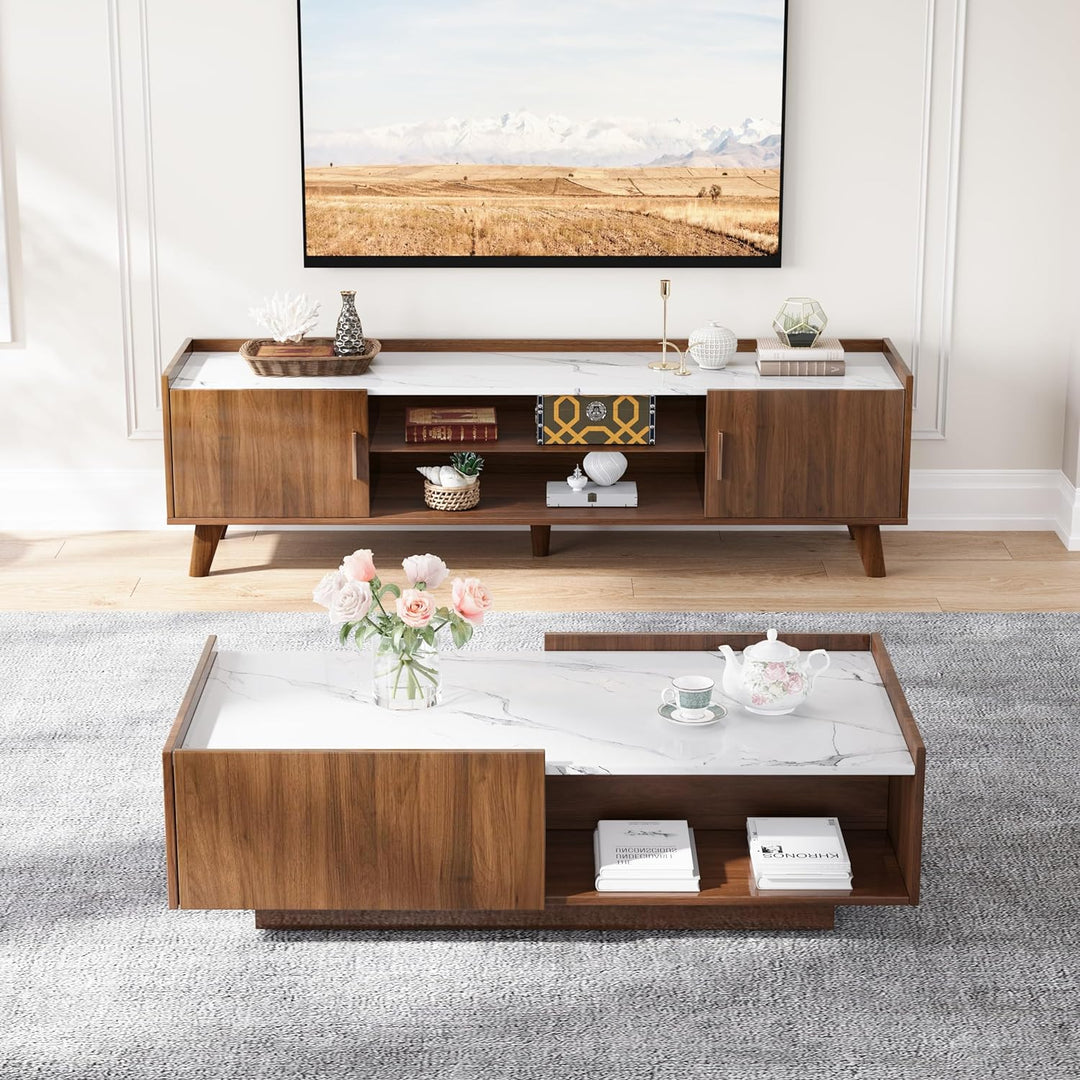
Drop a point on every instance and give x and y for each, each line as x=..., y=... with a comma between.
x=570, y=917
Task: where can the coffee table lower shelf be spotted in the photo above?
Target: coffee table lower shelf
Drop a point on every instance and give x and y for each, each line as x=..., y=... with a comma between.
x=726, y=900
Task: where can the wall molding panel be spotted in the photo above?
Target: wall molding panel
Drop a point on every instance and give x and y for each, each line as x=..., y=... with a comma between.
x=932, y=336
x=136, y=226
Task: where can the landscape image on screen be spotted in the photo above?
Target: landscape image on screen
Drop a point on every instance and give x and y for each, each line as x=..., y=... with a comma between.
x=616, y=128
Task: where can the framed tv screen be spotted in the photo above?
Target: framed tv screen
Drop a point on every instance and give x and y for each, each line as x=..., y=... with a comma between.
x=505, y=132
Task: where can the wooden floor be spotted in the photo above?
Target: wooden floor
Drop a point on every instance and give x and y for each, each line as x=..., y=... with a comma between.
x=616, y=570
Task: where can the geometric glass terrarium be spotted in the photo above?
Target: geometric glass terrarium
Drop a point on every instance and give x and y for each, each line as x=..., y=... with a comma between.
x=799, y=322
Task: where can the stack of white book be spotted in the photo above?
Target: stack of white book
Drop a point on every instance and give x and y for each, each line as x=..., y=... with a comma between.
x=645, y=856
x=798, y=853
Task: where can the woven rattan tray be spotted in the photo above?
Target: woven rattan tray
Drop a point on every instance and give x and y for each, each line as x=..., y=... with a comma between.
x=444, y=498
x=312, y=356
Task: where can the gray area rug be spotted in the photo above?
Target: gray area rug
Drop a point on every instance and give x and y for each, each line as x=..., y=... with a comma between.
x=99, y=979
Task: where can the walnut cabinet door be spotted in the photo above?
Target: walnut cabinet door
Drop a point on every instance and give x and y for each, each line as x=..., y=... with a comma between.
x=240, y=455
x=799, y=455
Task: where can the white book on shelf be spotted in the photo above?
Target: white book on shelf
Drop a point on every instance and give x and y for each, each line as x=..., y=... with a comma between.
x=797, y=846
x=663, y=881
x=642, y=848
x=837, y=884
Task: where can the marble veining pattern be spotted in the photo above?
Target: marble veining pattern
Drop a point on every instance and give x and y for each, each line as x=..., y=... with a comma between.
x=475, y=373
x=590, y=713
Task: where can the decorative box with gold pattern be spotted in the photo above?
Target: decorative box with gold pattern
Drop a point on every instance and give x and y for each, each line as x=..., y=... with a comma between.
x=577, y=420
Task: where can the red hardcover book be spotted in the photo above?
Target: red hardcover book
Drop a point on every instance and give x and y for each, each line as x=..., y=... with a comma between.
x=447, y=424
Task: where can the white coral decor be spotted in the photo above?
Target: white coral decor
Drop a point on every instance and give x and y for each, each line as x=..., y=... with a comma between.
x=288, y=318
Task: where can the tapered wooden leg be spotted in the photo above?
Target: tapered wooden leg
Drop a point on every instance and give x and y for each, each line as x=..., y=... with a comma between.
x=203, y=545
x=868, y=541
x=541, y=539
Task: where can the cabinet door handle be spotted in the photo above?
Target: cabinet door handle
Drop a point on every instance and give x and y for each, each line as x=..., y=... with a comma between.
x=719, y=455
x=356, y=455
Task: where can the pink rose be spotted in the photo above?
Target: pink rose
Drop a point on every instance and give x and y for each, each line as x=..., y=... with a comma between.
x=328, y=588
x=352, y=602
x=359, y=566
x=427, y=570
x=470, y=599
x=775, y=670
x=415, y=608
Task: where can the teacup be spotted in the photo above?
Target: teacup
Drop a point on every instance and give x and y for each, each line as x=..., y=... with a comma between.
x=691, y=695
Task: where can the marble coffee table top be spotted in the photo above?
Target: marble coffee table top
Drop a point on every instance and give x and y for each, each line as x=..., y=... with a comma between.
x=591, y=712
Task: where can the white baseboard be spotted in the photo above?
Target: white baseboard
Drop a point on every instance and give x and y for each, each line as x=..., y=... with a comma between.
x=987, y=499
x=40, y=500
x=1068, y=525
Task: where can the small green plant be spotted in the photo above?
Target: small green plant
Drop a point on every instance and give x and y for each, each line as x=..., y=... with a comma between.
x=467, y=463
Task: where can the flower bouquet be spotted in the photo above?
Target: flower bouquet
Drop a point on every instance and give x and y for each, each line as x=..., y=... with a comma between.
x=404, y=624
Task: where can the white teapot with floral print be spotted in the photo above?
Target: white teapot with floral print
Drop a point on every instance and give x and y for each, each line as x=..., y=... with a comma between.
x=771, y=679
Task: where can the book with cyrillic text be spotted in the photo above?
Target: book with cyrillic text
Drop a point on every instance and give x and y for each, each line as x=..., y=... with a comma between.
x=448, y=424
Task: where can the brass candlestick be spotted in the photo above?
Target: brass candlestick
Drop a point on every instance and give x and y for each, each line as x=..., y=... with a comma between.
x=663, y=363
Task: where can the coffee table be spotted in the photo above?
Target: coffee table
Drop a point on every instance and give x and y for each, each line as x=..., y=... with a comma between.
x=288, y=792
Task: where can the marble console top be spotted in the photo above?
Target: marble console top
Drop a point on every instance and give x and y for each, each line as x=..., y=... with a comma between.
x=478, y=373
x=590, y=713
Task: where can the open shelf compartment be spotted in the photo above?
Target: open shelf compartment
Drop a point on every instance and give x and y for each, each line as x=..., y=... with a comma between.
x=725, y=873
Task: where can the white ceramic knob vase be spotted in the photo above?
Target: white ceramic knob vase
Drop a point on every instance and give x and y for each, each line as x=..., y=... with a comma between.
x=604, y=467
x=712, y=346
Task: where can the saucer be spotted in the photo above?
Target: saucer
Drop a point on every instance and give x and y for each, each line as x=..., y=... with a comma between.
x=715, y=712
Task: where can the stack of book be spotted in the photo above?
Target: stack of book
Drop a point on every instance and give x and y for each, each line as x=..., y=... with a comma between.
x=466, y=424
x=824, y=357
x=798, y=853
x=645, y=856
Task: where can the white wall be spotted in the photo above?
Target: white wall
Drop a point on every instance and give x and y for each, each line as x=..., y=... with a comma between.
x=108, y=279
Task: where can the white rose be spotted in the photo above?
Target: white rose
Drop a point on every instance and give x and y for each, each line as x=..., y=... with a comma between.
x=351, y=603
x=328, y=588
x=428, y=570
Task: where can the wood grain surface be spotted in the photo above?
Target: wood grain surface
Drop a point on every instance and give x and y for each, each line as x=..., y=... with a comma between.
x=808, y=915
x=359, y=829
x=716, y=802
x=528, y=344
x=286, y=454
x=798, y=455
x=174, y=740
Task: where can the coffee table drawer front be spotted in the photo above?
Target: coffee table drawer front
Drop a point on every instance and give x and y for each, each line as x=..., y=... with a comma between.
x=360, y=829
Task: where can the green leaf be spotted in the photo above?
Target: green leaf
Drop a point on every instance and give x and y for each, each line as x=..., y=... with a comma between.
x=428, y=634
x=390, y=588
x=457, y=632
x=343, y=633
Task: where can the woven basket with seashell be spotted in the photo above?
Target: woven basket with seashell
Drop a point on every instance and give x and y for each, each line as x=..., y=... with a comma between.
x=453, y=487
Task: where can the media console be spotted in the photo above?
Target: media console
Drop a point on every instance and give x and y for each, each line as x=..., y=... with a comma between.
x=732, y=447
x=288, y=792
